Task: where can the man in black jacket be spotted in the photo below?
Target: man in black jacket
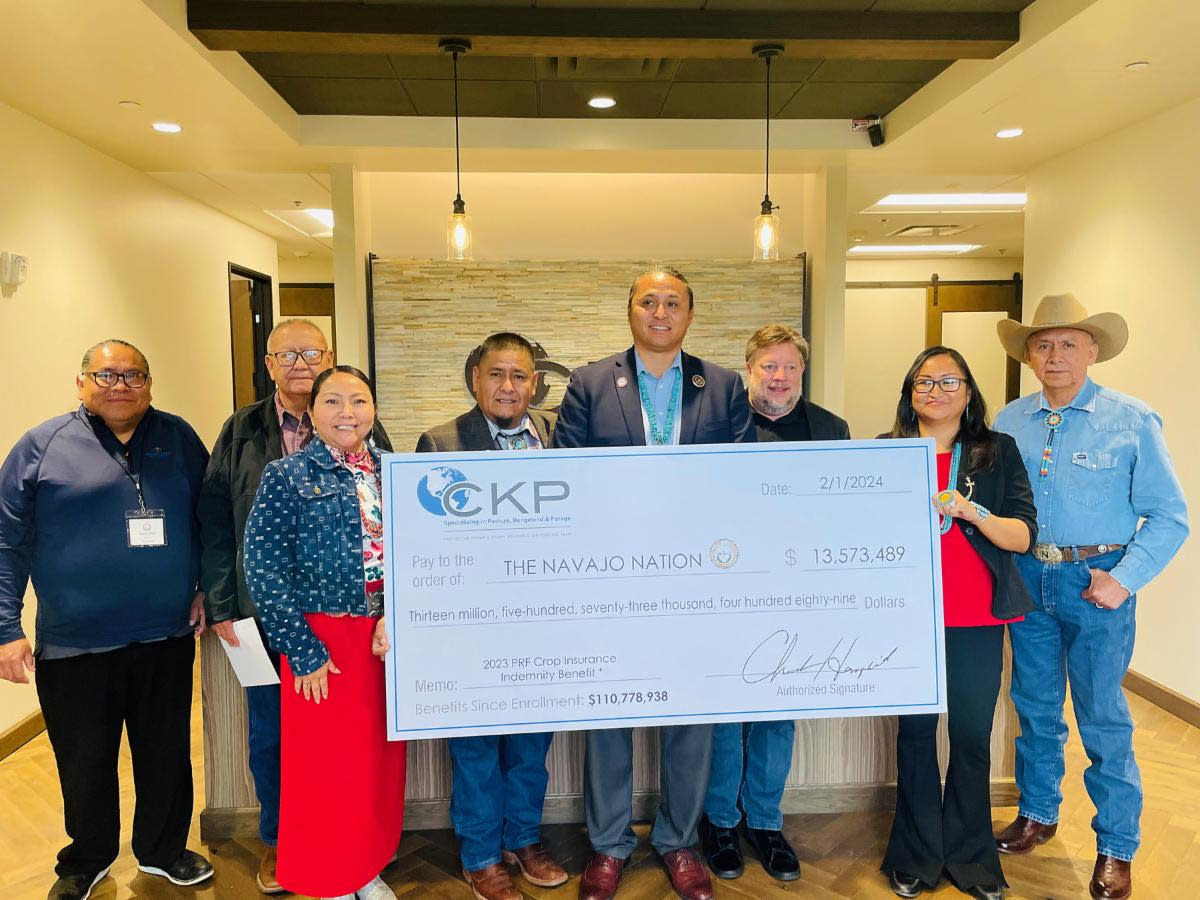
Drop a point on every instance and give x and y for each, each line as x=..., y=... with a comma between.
x=252, y=437
x=750, y=762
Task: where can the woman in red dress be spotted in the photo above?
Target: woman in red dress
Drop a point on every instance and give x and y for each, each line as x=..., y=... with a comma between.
x=314, y=565
x=987, y=515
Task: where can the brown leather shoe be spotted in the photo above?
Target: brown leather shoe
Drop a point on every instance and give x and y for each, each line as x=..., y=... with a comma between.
x=1111, y=879
x=492, y=883
x=266, y=880
x=1023, y=835
x=599, y=881
x=688, y=875
x=536, y=865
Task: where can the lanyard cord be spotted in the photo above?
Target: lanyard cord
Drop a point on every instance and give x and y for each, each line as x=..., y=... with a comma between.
x=122, y=462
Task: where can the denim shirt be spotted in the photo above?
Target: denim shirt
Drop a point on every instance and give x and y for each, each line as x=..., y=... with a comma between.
x=304, y=551
x=1109, y=468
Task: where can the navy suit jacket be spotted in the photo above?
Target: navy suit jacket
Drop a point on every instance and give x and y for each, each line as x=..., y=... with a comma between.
x=602, y=406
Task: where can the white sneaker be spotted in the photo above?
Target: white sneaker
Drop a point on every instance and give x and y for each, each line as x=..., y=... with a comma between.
x=340, y=897
x=375, y=889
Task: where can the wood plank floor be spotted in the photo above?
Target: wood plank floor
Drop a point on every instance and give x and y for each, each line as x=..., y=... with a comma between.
x=839, y=853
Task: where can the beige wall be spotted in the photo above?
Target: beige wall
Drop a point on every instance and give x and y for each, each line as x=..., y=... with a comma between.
x=885, y=330
x=112, y=253
x=1117, y=223
x=312, y=269
x=582, y=216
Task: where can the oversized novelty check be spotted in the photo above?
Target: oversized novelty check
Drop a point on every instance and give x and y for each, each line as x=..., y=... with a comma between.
x=574, y=589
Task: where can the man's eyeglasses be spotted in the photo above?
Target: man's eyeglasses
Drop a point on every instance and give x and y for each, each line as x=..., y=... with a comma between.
x=312, y=356
x=132, y=379
x=948, y=385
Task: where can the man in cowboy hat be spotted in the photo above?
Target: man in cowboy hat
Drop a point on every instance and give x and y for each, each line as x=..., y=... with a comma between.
x=1098, y=464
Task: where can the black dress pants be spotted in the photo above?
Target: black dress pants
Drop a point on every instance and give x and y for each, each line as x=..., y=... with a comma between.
x=86, y=700
x=933, y=832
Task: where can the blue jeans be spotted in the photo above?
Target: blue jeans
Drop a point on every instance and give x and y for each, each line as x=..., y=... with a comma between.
x=1066, y=639
x=262, y=721
x=750, y=763
x=497, y=796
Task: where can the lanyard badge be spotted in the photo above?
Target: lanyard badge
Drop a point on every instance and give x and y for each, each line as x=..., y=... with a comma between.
x=146, y=527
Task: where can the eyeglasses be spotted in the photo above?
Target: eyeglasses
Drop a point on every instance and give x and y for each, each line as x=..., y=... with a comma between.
x=948, y=385
x=312, y=356
x=107, y=379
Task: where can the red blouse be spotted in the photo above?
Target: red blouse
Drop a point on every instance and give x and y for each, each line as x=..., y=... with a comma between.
x=966, y=580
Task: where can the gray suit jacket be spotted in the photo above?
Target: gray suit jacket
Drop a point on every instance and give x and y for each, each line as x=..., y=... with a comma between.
x=470, y=432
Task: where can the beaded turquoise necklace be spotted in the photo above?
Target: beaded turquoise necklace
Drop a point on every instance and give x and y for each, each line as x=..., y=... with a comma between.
x=944, y=496
x=660, y=436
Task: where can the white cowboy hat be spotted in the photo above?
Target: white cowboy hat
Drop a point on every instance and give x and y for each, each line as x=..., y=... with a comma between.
x=1108, y=330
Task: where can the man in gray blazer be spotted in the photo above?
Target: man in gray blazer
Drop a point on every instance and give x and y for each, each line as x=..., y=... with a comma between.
x=499, y=780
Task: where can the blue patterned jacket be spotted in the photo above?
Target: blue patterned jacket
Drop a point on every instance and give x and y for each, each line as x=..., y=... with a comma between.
x=303, y=553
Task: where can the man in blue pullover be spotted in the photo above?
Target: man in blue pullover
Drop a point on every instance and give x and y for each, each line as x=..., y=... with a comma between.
x=97, y=509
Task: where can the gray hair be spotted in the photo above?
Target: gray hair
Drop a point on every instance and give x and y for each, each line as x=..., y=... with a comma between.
x=287, y=323
x=87, y=354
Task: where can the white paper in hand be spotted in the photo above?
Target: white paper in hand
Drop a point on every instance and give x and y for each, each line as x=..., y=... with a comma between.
x=249, y=659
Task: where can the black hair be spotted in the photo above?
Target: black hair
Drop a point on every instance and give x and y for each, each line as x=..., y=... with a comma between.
x=973, y=432
x=662, y=270
x=87, y=355
x=503, y=340
x=345, y=370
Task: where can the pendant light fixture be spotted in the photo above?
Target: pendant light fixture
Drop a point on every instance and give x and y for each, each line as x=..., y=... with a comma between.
x=458, y=223
x=766, y=223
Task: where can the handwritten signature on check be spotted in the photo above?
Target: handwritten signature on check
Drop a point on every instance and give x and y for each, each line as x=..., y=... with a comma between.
x=770, y=660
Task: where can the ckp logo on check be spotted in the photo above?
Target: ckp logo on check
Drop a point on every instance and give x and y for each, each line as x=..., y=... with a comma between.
x=447, y=491
x=723, y=553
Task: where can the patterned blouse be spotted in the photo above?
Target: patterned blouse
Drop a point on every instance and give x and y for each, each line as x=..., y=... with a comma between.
x=369, y=485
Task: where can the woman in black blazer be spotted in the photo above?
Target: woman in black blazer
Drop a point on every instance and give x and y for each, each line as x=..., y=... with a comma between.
x=987, y=515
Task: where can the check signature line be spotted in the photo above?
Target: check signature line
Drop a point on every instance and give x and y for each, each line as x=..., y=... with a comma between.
x=619, y=577
x=506, y=684
x=533, y=621
x=768, y=674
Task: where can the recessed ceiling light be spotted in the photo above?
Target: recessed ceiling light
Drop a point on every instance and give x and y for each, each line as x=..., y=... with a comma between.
x=324, y=216
x=167, y=127
x=956, y=202
x=1004, y=133
x=1138, y=65
x=602, y=103
x=922, y=249
x=129, y=104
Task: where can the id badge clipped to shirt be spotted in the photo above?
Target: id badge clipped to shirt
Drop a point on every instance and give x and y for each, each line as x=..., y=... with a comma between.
x=146, y=527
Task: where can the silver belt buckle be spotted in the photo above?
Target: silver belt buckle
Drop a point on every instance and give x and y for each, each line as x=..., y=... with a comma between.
x=1047, y=553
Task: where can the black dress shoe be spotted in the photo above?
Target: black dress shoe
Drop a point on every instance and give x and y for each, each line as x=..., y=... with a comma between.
x=76, y=887
x=905, y=885
x=189, y=868
x=775, y=853
x=986, y=892
x=721, y=849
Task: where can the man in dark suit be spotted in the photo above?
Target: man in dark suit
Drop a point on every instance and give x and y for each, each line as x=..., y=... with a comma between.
x=651, y=394
x=751, y=761
x=500, y=780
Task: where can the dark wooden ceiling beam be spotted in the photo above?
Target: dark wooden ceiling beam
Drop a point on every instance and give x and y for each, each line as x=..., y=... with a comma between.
x=324, y=27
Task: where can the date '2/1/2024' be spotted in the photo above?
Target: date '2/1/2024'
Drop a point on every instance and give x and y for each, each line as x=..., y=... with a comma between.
x=845, y=556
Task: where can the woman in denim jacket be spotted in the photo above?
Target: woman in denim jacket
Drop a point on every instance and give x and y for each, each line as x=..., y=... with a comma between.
x=314, y=566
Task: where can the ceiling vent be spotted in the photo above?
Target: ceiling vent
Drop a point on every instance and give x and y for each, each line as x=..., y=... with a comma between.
x=929, y=231
x=583, y=68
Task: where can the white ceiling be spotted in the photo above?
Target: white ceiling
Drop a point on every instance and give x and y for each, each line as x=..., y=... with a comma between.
x=245, y=152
